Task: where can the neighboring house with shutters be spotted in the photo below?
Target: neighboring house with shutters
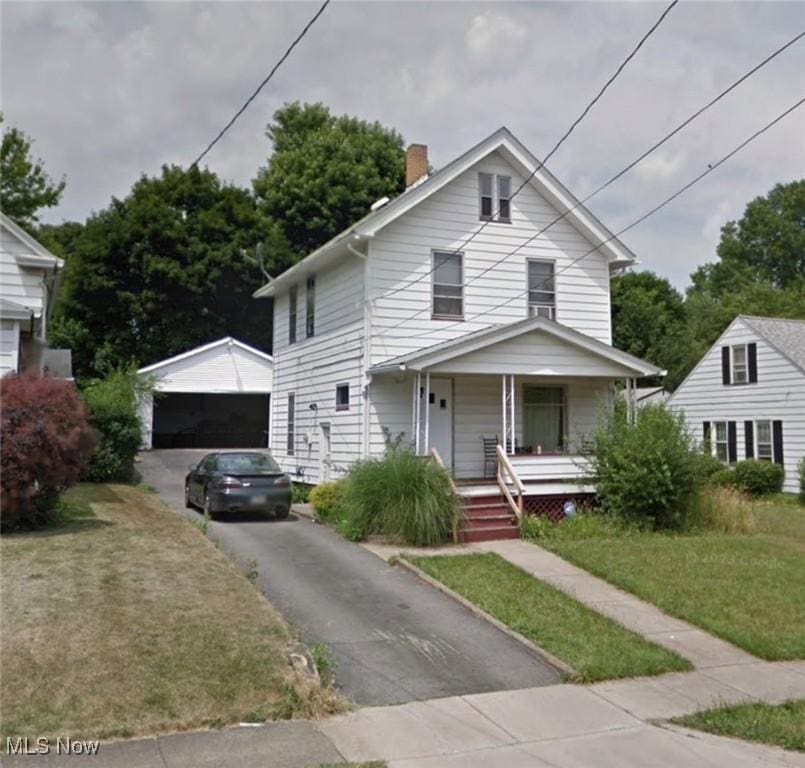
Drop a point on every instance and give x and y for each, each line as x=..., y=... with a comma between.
x=460, y=319
x=746, y=397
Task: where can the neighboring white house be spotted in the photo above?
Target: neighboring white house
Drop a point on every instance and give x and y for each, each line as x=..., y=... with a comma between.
x=746, y=396
x=385, y=334
x=648, y=395
x=28, y=282
x=214, y=396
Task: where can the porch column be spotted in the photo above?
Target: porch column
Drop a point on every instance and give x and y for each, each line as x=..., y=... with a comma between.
x=418, y=407
x=503, y=411
x=427, y=413
x=512, y=426
x=413, y=412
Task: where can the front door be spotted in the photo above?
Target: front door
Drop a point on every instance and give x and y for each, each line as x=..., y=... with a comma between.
x=324, y=453
x=440, y=427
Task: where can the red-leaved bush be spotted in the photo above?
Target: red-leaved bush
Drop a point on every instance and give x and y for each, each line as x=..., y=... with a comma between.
x=45, y=444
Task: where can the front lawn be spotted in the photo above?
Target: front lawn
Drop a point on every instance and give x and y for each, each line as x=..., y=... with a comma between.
x=783, y=724
x=747, y=589
x=126, y=620
x=594, y=645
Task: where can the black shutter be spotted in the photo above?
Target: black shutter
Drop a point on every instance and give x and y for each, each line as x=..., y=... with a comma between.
x=749, y=439
x=732, y=442
x=725, y=365
x=706, y=435
x=777, y=441
x=751, y=354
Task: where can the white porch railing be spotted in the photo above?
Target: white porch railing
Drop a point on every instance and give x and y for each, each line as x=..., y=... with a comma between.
x=436, y=458
x=508, y=476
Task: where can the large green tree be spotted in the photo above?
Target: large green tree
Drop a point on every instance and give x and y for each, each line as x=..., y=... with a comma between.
x=766, y=245
x=648, y=320
x=25, y=187
x=170, y=266
x=325, y=172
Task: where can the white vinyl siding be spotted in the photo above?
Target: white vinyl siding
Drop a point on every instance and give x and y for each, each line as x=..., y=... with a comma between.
x=293, y=307
x=22, y=285
x=778, y=395
x=9, y=346
x=402, y=251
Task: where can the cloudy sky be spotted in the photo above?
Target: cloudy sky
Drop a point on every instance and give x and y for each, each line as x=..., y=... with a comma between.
x=111, y=90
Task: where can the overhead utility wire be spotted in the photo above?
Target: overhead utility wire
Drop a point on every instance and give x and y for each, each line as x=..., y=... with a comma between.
x=620, y=173
x=710, y=168
x=550, y=154
x=260, y=87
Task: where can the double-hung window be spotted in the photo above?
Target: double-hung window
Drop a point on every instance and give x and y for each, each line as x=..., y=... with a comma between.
x=720, y=447
x=494, y=193
x=740, y=373
x=342, y=397
x=764, y=449
x=290, y=439
x=448, y=291
x=310, y=307
x=541, y=289
x=292, y=298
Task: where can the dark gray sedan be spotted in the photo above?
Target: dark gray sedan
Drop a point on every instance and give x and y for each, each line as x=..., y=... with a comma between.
x=238, y=481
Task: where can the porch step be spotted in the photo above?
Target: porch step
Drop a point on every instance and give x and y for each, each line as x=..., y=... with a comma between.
x=487, y=517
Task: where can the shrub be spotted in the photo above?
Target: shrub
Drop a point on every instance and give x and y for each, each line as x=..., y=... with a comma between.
x=801, y=468
x=301, y=493
x=708, y=465
x=758, y=478
x=46, y=444
x=723, y=509
x=402, y=496
x=646, y=471
x=326, y=499
x=725, y=477
x=583, y=525
x=112, y=404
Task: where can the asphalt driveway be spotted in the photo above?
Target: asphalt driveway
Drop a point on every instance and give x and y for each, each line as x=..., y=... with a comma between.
x=394, y=639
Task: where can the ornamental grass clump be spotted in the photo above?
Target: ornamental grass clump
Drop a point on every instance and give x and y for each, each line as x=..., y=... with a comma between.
x=403, y=496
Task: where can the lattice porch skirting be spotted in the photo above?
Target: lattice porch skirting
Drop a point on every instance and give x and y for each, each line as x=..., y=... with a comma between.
x=552, y=506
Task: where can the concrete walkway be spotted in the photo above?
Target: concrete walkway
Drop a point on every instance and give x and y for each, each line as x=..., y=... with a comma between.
x=700, y=648
x=560, y=726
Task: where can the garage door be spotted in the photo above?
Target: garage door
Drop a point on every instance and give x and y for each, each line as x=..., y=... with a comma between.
x=207, y=420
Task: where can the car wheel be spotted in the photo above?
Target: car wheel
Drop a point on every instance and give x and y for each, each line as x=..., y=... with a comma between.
x=282, y=514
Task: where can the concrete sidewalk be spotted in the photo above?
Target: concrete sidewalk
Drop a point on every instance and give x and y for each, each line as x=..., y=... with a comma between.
x=700, y=648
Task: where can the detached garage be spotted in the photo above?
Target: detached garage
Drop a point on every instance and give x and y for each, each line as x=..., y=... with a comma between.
x=214, y=396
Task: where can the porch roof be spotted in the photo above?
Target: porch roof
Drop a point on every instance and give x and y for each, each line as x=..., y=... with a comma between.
x=619, y=363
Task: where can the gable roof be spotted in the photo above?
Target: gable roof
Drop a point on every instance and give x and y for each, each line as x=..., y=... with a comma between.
x=786, y=336
x=487, y=337
x=39, y=256
x=516, y=153
x=227, y=340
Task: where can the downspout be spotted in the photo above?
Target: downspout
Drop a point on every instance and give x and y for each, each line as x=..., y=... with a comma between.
x=363, y=374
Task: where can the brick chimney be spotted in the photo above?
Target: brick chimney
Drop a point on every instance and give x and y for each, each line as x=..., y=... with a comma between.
x=416, y=163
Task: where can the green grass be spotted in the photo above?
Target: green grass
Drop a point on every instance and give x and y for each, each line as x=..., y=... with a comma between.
x=594, y=645
x=782, y=724
x=121, y=620
x=747, y=589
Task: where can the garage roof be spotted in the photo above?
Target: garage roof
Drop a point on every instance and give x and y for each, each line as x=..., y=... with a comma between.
x=226, y=341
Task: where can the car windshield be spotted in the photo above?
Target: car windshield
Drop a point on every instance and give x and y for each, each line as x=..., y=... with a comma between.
x=247, y=464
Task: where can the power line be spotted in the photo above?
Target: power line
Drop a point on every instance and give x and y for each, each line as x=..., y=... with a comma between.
x=618, y=175
x=260, y=87
x=550, y=154
x=710, y=168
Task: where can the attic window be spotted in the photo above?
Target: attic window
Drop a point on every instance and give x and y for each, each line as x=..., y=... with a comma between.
x=494, y=194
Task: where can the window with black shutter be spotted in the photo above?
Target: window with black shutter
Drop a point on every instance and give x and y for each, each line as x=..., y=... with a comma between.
x=751, y=354
x=732, y=442
x=777, y=440
x=725, y=365
x=749, y=440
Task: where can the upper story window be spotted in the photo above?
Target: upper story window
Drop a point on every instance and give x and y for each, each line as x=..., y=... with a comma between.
x=495, y=197
x=739, y=369
x=292, y=298
x=541, y=289
x=739, y=363
x=342, y=397
x=448, y=290
x=310, y=307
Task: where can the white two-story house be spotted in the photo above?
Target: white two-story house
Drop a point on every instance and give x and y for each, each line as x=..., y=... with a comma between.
x=454, y=317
